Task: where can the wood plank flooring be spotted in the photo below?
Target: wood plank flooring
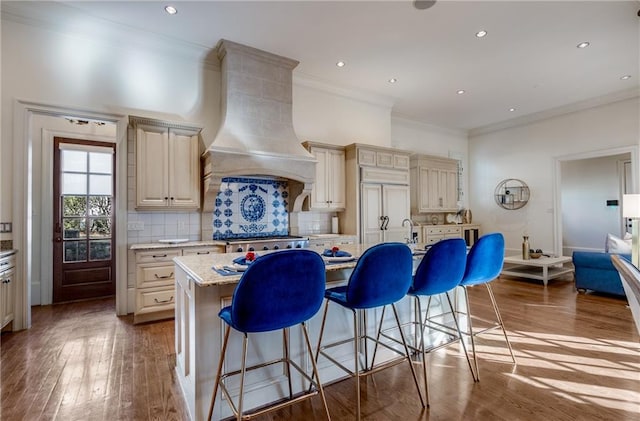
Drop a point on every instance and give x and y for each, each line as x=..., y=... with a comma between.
x=578, y=359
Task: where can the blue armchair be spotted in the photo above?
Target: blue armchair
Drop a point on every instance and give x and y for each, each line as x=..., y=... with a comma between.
x=595, y=272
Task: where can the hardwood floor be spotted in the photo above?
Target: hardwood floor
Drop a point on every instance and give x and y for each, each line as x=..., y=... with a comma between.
x=578, y=359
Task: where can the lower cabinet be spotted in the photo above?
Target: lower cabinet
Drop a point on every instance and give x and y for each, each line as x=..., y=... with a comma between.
x=155, y=281
x=332, y=241
x=7, y=290
x=433, y=233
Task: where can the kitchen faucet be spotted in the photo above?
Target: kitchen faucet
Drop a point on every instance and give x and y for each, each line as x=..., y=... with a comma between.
x=410, y=239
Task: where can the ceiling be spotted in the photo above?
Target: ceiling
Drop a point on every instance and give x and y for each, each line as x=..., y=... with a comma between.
x=528, y=60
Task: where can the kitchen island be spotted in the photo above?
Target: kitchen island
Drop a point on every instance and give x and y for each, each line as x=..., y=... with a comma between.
x=200, y=294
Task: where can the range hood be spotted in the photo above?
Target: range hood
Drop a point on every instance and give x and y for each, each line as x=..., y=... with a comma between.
x=256, y=136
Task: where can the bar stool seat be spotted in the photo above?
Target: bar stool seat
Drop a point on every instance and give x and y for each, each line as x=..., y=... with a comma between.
x=381, y=277
x=277, y=291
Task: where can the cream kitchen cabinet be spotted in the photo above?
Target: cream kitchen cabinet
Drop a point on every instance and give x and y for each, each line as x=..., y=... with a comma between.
x=384, y=207
x=155, y=280
x=328, y=191
x=167, y=165
x=434, y=183
x=7, y=290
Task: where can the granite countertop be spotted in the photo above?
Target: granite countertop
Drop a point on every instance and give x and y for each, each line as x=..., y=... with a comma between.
x=7, y=253
x=199, y=268
x=152, y=246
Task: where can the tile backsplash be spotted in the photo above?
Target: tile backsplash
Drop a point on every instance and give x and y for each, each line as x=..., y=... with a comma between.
x=251, y=207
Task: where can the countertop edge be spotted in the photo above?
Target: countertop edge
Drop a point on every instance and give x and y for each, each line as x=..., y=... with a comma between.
x=153, y=246
x=7, y=253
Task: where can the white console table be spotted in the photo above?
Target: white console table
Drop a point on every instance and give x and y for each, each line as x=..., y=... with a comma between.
x=542, y=269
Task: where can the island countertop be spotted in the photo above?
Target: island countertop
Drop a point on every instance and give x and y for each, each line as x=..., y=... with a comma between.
x=200, y=268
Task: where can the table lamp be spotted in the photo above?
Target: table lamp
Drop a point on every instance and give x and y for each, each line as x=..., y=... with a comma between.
x=631, y=209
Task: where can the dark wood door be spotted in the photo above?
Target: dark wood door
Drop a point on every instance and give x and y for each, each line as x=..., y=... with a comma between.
x=84, y=220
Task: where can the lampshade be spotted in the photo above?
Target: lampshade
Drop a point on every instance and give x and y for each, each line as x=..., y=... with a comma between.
x=631, y=205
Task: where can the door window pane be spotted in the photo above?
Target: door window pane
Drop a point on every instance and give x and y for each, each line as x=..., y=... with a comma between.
x=74, y=206
x=75, y=251
x=74, y=161
x=100, y=228
x=100, y=250
x=74, y=228
x=100, y=184
x=99, y=205
x=74, y=183
x=100, y=162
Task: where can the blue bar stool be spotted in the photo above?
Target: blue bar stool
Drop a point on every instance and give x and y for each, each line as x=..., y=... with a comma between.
x=381, y=277
x=439, y=272
x=484, y=264
x=277, y=291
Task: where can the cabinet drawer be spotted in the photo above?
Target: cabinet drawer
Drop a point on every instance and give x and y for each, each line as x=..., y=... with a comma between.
x=153, y=275
x=437, y=230
x=433, y=239
x=159, y=255
x=201, y=251
x=7, y=263
x=154, y=299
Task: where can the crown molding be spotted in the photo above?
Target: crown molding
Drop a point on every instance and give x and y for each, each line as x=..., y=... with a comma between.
x=557, y=111
x=422, y=125
x=312, y=82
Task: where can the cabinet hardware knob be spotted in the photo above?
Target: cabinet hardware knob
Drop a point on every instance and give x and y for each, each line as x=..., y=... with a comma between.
x=163, y=301
x=166, y=198
x=172, y=198
x=164, y=276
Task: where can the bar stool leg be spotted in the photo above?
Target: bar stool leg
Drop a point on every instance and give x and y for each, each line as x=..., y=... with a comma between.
x=375, y=348
x=315, y=370
x=464, y=346
x=285, y=351
x=473, y=342
x=499, y=317
x=406, y=351
x=243, y=371
x=356, y=336
x=219, y=373
x=422, y=350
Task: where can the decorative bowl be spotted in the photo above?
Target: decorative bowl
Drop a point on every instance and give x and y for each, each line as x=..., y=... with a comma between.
x=535, y=255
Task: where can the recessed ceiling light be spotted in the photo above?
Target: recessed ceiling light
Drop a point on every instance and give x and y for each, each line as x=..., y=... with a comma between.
x=481, y=34
x=511, y=110
x=340, y=63
x=625, y=77
x=460, y=92
x=170, y=10
x=584, y=44
x=393, y=80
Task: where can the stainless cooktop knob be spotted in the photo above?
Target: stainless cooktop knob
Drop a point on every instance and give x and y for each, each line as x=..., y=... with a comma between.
x=276, y=247
x=239, y=249
x=265, y=248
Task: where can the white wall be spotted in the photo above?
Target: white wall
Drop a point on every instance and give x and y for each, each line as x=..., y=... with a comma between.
x=527, y=152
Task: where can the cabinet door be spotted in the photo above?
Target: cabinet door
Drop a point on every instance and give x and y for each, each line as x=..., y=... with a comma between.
x=337, y=180
x=152, y=166
x=319, y=197
x=371, y=195
x=450, y=190
x=8, y=297
x=184, y=170
x=396, y=205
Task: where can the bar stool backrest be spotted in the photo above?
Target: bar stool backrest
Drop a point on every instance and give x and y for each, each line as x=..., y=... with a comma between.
x=382, y=276
x=441, y=269
x=485, y=260
x=279, y=290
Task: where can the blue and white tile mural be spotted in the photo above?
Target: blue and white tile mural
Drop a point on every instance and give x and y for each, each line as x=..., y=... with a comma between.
x=251, y=207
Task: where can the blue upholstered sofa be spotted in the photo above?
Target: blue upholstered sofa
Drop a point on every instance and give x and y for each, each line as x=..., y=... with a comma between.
x=595, y=272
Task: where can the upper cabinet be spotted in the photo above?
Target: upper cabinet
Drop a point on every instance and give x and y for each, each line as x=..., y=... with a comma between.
x=167, y=165
x=328, y=191
x=434, y=184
